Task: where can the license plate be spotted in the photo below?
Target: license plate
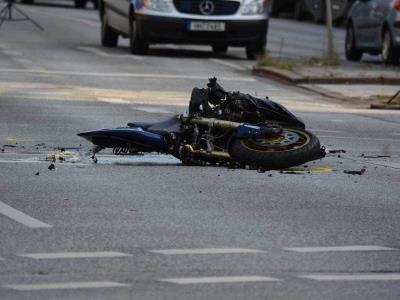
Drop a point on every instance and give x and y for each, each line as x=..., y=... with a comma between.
x=207, y=26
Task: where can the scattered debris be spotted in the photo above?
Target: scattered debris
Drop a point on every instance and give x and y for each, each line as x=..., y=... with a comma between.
x=361, y=172
x=9, y=146
x=40, y=145
x=261, y=170
x=337, y=151
x=375, y=156
x=52, y=167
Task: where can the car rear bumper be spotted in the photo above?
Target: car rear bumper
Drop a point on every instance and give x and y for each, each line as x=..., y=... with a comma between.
x=155, y=29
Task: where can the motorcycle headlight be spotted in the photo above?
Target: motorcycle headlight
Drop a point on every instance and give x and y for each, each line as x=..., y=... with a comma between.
x=158, y=5
x=254, y=7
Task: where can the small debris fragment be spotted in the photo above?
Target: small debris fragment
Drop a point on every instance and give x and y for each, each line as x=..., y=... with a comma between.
x=337, y=151
x=95, y=160
x=61, y=159
x=52, y=167
x=66, y=199
x=305, y=166
x=39, y=145
x=2, y=150
x=376, y=156
x=361, y=172
x=269, y=175
x=9, y=146
x=200, y=192
x=37, y=173
x=62, y=149
x=261, y=170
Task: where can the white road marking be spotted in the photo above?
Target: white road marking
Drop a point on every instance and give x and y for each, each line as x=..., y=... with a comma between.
x=66, y=285
x=359, y=138
x=12, y=52
x=113, y=100
x=121, y=75
x=337, y=121
x=222, y=279
x=207, y=251
x=105, y=54
x=324, y=130
x=21, y=217
x=228, y=64
x=152, y=110
x=59, y=255
x=23, y=61
x=340, y=249
x=353, y=277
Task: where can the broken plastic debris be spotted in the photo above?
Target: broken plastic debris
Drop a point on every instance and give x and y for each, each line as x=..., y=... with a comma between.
x=52, y=167
x=337, y=151
x=362, y=171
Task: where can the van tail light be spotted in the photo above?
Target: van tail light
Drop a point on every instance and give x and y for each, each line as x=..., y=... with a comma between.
x=397, y=5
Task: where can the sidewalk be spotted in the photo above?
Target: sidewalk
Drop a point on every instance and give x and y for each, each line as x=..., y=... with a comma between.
x=357, y=82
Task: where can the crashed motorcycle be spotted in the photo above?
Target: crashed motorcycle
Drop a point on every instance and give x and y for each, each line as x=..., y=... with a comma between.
x=220, y=127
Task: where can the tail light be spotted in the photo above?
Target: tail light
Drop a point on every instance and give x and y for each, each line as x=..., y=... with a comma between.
x=397, y=5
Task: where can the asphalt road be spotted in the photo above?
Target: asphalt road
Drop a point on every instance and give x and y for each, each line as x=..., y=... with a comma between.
x=150, y=228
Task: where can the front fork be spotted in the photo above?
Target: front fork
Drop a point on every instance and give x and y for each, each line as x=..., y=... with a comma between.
x=243, y=131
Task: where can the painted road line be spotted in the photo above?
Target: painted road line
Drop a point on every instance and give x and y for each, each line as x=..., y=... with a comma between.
x=58, y=255
x=207, y=251
x=228, y=64
x=21, y=217
x=66, y=285
x=113, y=100
x=121, y=75
x=352, y=277
x=223, y=279
x=340, y=249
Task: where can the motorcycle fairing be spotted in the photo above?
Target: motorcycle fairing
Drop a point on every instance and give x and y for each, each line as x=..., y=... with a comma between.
x=124, y=136
x=169, y=125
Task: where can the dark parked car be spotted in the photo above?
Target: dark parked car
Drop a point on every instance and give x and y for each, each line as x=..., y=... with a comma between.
x=78, y=3
x=373, y=27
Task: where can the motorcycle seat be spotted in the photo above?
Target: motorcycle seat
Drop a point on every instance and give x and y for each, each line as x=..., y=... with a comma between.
x=162, y=127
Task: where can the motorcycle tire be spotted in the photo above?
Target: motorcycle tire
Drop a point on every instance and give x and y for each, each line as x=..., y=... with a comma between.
x=292, y=148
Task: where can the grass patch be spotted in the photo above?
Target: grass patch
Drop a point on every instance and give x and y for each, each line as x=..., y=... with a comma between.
x=322, y=62
x=267, y=61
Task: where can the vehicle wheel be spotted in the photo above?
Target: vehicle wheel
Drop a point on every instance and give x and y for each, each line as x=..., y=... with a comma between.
x=27, y=1
x=137, y=45
x=253, y=51
x=298, y=12
x=80, y=3
x=390, y=54
x=274, y=9
x=352, y=53
x=109, y=37
x=292, y=148
x=220, y=48
x=96, y=4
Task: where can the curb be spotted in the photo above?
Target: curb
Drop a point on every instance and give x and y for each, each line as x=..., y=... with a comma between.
x=385, y=106
x=291, y=77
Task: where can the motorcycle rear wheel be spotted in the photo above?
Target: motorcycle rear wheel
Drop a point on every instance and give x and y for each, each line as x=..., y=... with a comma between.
x=292, y=148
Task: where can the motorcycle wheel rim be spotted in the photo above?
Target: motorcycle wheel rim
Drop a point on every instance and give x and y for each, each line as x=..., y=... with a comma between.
x=290, y=140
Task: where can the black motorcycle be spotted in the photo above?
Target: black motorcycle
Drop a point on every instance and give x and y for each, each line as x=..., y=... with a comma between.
x=226, y=128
